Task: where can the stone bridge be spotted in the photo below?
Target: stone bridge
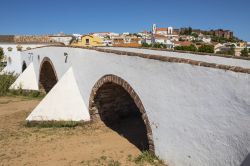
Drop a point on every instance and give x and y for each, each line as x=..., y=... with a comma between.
x=188, y=109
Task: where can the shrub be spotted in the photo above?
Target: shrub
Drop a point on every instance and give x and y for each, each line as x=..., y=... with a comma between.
x=6, y=80
x=10, y=49
x=1, y=54
x=26, y=93
x=194, y=34
x=159, y=45
x=186, y=48
x=19, y=48
x=206, y=48
x=227, y=52
x=148, y=157
x=146, y=45
x=53, y=124
x=244, y=52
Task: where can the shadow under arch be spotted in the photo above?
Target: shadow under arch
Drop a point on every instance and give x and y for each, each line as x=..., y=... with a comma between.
x=115, y=102
x=47, y=75
x=24, y=66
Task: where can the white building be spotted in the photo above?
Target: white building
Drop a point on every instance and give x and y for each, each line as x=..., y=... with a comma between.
x=162, y=31
x=77, y=36
x=205, y=39
x=248, y=45
x=65, y=39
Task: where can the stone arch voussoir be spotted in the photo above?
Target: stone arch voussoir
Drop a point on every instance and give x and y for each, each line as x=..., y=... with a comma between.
x=125, y=85
x=48, y=78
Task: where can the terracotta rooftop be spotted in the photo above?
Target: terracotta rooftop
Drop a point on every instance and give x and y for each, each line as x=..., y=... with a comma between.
x=159, y=36
x=161, y=29
x=183, y=43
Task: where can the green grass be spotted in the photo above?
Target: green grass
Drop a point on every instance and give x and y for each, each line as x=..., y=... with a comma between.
x=6, y=80
x=30, y=94
x=54, y=124
x=148, y=157
x=114, y=163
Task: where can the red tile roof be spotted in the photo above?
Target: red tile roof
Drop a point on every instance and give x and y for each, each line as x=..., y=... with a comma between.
x=159, y=36
x=183, y=43
x=161, y=29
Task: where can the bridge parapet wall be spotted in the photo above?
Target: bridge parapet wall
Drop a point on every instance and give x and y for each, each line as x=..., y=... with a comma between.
x=198, y=111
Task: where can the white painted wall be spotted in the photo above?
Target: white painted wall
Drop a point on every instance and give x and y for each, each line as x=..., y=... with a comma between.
x=15, y=65
x=62, y=39
x=199, y=116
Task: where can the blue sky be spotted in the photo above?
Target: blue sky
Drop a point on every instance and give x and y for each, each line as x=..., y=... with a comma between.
x=80, y=16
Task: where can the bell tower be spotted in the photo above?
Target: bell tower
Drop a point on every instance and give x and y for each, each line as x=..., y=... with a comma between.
x=154, y=29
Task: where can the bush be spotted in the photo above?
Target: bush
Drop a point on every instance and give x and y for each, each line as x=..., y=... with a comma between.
x=159, y=45
x=186, y=48
x=10, y=49
x=148, y=157
x=206, y=48
x=155, y=45
x=19, y=48
x=6, y=80
x=244, y=52
x=146, y=45
x=194, y=34
x=1, y=54
x=53, y=124
x=227, y=52
x=26, y=93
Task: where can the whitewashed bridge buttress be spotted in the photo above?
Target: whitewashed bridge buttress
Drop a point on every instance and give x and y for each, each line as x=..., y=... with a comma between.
x=191, y=109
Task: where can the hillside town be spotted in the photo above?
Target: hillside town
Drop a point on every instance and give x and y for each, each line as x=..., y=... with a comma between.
x=218, y=41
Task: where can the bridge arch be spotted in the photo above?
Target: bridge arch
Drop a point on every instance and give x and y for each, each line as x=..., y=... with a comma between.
x=24, y=66
x=115, y=102
x=47, y=75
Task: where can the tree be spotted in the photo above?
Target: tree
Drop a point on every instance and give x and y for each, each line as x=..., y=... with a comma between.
x=190, y=30
x=206, y=48
x=145, y=44
x=194, y=34
x=180, y=39
x=227, y=52
x=244, y=52
x=187, y=48
x=159, y=45
x=1, y=54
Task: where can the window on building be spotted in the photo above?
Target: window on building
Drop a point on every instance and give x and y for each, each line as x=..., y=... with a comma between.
x=87, y=41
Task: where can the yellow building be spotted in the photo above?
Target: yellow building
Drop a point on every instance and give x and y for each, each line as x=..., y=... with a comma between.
x=242, y=44
x=90, y=41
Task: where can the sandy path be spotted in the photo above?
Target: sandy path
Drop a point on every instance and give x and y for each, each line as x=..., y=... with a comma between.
x=92, y=144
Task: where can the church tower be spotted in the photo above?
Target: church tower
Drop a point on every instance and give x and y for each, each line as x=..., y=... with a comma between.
x=154, y=29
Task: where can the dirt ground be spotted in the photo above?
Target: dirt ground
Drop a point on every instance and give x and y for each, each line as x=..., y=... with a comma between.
x=92, y=144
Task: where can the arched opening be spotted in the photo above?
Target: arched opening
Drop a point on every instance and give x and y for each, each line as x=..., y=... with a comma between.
x=24, y=66
x=115, y=103
x=47, y=76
